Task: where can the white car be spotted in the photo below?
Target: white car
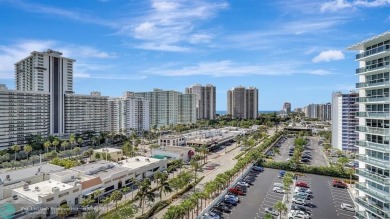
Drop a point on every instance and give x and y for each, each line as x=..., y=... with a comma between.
x=278, y=190
x=299, y=201
x=243, y=184
x=301, y=189
x=298, y=212
x=347, y=207
x=297, y=216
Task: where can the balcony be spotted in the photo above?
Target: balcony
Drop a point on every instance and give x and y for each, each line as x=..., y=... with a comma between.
x=372, y=145
x=373, y=130
x=374, y=67
x=373, y=114
x=371, y=99
x=378, y=195
x=373, y=176
x=377, y=162
x=378, y=210
x=360, y=215
x=373, y=51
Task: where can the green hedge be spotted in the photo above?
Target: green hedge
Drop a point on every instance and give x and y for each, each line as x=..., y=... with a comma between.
x=326, y=171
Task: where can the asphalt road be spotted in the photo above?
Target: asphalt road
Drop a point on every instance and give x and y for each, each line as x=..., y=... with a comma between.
x=259, y=196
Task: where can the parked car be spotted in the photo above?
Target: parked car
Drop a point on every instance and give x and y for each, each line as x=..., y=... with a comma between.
x=235, y=198
x=230, y=202
x=236, y=191
x=347, y=207
x=301, y=208
x=306, y=156
x=301, y=196
x=222, y=208
x=258, y=168
x=278, y=190
x=280, y=185
x=302, y=189
x=211, y=215
x=271, y=211
x=250, y=182
x=297, y=215
x=301, y=184
x=281, y=174
x=298, y=201
x=339, y=184
x=305, y=160
x=241, y=183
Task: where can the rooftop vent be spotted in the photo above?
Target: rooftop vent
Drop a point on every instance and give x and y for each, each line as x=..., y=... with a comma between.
x=36, y=188
x=55, y=189
x=25, y=187
x=7, y=177
x=136, y=159
x=147, y=159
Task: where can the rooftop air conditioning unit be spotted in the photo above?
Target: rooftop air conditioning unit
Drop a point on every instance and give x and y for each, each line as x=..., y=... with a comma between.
x=25, y=187
x=137, y=159
x=147, y=159
x=55, y=189
x=7, y=177
x=36, y=188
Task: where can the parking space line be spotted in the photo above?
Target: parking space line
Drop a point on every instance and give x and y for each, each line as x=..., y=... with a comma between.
x=345, y=214
x=340, y=199
x=274, y=195
x=266, y=201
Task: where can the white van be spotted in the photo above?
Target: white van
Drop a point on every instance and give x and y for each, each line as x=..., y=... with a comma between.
x=280, y=185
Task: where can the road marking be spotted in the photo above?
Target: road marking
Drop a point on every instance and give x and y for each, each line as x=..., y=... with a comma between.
x=346, y=215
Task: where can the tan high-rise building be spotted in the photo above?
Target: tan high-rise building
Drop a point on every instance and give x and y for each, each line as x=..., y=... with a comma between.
x=242, y=103
x=205, y=100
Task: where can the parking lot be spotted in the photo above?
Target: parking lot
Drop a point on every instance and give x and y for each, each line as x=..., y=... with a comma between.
x=327, y=199
x=318, y=156
x=259, y=196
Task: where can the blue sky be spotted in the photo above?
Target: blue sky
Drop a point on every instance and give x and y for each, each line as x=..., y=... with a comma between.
x=291, y=50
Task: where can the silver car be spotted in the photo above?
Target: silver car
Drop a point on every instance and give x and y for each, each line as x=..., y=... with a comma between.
x=347, y=207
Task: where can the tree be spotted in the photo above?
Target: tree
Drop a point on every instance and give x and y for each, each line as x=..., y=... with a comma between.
x=72, y=140
x=86, y=202
x=342, y=161
x=145, y=193
x=204, y=151
x=55, y=143
x=80, y=142
x=195, y=166
x=152, y=146
x=268, y=216
x=106, y=201
x=91, y=215
x=63, y=211
x=97, y=194
x=350, y=172
x=116, y=196
x=15, y=148
x=64, y=145
x=164, y=185
x=125, y=190
x=27, y=148
x=76, y=151
x=287, y=182
x=280, y=207
x=47, y=144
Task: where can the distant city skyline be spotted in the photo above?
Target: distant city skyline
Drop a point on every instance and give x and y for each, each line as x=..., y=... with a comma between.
x=291, y=52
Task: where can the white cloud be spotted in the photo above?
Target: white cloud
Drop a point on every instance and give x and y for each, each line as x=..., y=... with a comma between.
x=336, y=5
x=172, y=24
x=228, y=68
x=329, y=55
x=11, y=54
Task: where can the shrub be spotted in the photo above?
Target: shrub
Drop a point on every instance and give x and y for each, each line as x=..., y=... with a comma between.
x=156, y=208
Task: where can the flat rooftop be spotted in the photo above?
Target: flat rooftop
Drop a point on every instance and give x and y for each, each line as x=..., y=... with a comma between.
x=16, y=176
x=43, y=189
x=19, y=204
x=102, y=169
x=110, y=150
x=138, y=162
x=179, y=149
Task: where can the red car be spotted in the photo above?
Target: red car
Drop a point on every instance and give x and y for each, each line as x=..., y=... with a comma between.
x=236, y=191
x=302, y=184
x=338, y=183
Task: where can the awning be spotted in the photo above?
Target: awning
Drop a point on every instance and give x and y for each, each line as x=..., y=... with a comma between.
x=91, y=192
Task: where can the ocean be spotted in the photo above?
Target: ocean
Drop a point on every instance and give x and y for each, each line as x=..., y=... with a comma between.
x=223, y=112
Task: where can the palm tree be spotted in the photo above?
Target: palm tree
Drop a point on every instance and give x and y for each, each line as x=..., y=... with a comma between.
x=125, y=190
x=55, y=143
x=63, y=211
x=15, y=148
x=144, y=193
x=188, y=204
x=204, y=151
x=91, y=215
x=268, y=216
x=280, y=207
x=47, y=144
x=86, y=202
x=195, y=166
x=350, y=172
x=97, y=194
x=79, y=141
x=27, y=148
x=164, y=185
x=72, y=140
x=287, y=182
x=106, y=201
x=64, y=145
x=116, y=196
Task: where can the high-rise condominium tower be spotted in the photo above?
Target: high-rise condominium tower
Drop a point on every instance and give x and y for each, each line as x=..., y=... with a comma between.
x=344, y=121
x=51, y=73
x=286, y=108
x=242, y=103
x=205, y=100
x=373, y=189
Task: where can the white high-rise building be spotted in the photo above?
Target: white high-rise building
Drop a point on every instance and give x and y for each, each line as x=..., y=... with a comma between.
x=319, y=111
x=242, y=103
x=286, y=108
x=344, y=122
x=129, y=113
x=205, y=100
x=165, y=107
x=373, y=189
x=22, y=113
x=86, y=113
x=51, y=73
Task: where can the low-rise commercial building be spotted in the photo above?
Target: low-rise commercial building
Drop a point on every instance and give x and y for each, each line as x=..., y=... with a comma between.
x=173, y=152
x=171, y=140
x=113, y=154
